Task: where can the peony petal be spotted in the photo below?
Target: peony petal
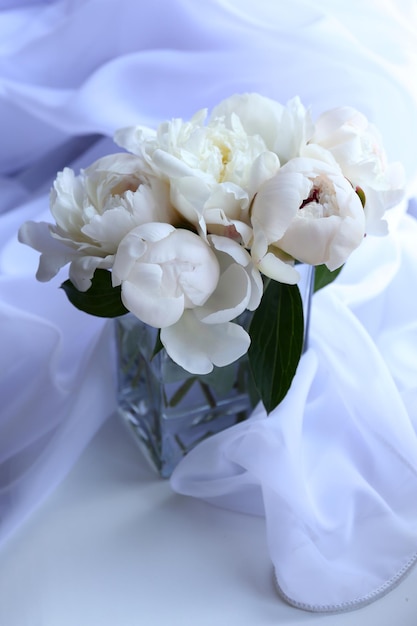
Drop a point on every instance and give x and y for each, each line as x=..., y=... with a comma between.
x=189, y=195
x=173, y=167
x=55, y=253
x=110, y=228
x=320, y=154
x=231, y=198
x=335, y=125
x=277, y=203
x=230, y=298
x=82, y=269
x=277, y=269
x=257, y=288
x=328, y=240
x=264, y=167
x=162, y=270
x=131, y=248
x=143, y=298
x=232, y=248
x=258, y=114
x=118, y=163
x=131, y=138
x=153, y=231
x=198, y=347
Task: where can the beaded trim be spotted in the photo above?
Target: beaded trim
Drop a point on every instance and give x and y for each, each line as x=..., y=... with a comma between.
x=350, y=605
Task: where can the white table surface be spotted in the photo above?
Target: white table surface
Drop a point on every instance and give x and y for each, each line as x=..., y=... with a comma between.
x=114, y=546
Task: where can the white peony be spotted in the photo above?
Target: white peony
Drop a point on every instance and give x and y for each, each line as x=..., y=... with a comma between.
x=205, y=336
x=163, y=271
x=93, y=212
x=174, y=280
x=189, y=219
x=285, y=129
x=213, y=169
x=356, y=146
x=309, y=212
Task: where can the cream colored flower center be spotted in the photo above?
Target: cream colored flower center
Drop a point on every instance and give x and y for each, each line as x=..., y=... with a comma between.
x=321, y=199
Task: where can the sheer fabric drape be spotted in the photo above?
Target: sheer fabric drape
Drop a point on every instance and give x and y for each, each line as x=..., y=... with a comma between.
x=71, y=72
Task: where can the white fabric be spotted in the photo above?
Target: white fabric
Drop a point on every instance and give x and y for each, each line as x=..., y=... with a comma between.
x=71, y=70
x=334, y=467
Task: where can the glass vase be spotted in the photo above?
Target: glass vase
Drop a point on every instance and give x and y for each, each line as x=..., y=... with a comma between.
x=169, y=410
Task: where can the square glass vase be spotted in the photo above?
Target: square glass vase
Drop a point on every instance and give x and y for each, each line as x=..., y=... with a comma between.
x=167, y=409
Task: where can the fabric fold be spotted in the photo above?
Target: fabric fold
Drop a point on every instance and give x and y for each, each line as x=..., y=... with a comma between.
x=53, y=362
x=334, y=467
x=50, y=410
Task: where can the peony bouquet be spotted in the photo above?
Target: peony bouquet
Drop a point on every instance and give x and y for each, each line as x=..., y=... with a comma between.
x=199, y=221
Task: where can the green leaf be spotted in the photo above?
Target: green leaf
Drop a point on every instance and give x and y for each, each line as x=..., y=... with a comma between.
x=101, y=300
x=158, y=345
x=277, y=333
x=324, y=276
